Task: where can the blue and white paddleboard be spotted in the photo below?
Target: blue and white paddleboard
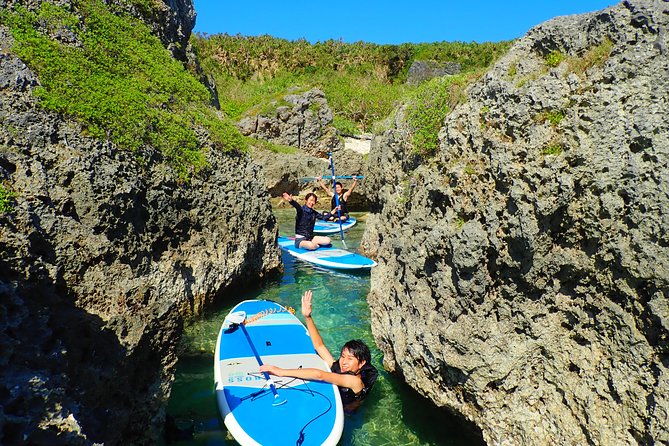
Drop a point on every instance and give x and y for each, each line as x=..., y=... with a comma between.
x=331, y=227
x=291, y=410
x=329, y=257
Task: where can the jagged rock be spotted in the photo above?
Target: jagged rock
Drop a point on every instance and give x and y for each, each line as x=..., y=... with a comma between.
x=302, y=124
x=101, y=260
x=524, y=269
x=422, y=70
x=305, y=126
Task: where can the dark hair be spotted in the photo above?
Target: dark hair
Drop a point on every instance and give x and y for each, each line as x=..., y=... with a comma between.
x=358, y=349
x=339, y=184
x=309, y=195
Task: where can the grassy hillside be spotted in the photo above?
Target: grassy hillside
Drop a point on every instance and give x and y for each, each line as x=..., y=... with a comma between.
x=363, y=82
x=106, y=69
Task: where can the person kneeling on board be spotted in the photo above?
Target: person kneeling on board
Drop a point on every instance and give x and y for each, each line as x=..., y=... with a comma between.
x=353, y=372
x=305, y=221
x=342, y=198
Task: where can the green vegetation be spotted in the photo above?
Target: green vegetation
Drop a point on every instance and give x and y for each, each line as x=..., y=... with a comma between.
x=120, y=81
x=554, y=58
x=6, y=199
x=272, y=147
x=363, y=82
x=431, y=102
x=117, y=79
x=595, y=56
x=552, y=149
x=554, y=117
x=483, y=116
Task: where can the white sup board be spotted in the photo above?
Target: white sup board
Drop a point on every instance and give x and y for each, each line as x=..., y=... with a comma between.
x=295, y=411
x=331, y=227
x=329, y=257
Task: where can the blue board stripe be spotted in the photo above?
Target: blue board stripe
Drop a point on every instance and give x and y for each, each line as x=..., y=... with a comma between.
x=304, y=403
x=348, y=258
x=269, y=340
x=332, y=227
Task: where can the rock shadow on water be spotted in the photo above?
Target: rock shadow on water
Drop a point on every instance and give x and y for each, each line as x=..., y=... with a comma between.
x=394, y=413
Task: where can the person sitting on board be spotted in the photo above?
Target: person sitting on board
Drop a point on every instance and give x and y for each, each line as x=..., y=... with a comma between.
x=305, y=221
x=343, y=198
x=353, y=372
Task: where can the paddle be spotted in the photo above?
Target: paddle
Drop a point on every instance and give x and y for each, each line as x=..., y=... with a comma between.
x=334, y=189
x=329, y=177
x=237, y=318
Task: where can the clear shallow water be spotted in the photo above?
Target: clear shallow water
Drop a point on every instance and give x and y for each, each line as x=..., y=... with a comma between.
x=392, y=414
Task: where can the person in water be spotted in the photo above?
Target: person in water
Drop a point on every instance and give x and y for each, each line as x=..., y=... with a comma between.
x=353, y=372
x=341, y=195
x=304, y=223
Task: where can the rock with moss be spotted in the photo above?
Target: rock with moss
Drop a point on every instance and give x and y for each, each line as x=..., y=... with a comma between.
x=297, y=120
x=422, y=70
x=105, y=254
x=523, y=267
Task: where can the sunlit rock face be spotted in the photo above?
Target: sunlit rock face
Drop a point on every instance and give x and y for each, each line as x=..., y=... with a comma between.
x=102, y=257
x=524, y=268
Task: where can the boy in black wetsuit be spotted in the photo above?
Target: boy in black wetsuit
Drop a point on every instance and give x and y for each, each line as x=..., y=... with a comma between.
x=343, y=198
x=353, y=372
x=304, y=223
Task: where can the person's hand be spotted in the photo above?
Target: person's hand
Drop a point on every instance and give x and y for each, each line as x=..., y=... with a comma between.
x=286, y=196
x=319, y=178
x=355, y=177
x=306, y=303
x=271, y=369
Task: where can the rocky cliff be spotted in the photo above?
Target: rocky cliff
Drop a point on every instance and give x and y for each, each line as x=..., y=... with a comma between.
x=524, y=268
x=103, y=256
x=303, y=125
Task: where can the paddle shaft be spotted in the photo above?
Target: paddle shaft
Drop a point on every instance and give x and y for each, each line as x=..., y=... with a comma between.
x=255, y=353
x=334, y=189
x=330, y=177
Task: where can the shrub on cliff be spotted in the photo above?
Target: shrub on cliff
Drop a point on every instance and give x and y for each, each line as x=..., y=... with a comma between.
x=363, y=82
x=428, y=108
x=107, y=69
x=6, y=199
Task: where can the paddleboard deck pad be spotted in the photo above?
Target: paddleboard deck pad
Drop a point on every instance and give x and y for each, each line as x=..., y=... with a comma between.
x=329, y=257
x=331, y=227
x=311, y=413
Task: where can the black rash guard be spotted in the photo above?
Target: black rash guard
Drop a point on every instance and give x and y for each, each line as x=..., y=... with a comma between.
x=349, y=399
x=305, y=220
x=342, y=202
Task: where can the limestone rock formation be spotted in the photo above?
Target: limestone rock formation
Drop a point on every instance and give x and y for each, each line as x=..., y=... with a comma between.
x=523, y=276
x=103, y=257
x=304, y=125
x=422, y=70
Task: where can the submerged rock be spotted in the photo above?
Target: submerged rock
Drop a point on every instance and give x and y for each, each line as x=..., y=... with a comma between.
x=524, y=268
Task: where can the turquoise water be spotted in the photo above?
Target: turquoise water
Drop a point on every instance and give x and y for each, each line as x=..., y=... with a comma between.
x=392, y=414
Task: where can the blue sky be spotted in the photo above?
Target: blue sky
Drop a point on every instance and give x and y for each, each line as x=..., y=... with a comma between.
x=385, y=22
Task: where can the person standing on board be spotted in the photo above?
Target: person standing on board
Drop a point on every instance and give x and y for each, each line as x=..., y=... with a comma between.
x=304, y=223
x=353, y=372
x=343, y=198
